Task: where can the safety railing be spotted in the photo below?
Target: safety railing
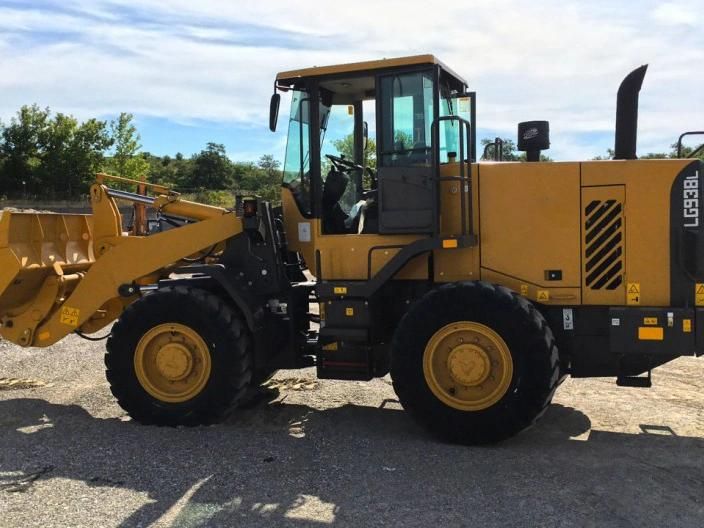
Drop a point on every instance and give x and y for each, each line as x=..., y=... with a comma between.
x=697, y=150
x=465, y=177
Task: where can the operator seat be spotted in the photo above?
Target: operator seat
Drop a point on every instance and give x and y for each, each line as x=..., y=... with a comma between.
x=333, y=215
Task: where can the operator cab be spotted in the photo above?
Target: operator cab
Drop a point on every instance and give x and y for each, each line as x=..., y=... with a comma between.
x=360, y=150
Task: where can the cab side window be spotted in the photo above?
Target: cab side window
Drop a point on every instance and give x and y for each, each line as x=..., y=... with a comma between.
x=407, y=117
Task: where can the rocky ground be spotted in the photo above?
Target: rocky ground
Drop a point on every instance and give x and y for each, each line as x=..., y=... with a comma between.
x=343, y=453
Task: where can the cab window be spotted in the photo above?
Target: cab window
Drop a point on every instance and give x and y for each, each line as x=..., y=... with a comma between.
x=407, y=106
x=452, y=104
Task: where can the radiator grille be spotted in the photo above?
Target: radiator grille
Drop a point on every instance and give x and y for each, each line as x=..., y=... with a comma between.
x=603, y=228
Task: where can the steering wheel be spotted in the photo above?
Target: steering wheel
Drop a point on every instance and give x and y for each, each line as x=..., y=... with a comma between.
x=341, y=164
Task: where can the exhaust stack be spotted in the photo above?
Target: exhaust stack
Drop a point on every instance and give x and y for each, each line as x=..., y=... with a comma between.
x=627, y=114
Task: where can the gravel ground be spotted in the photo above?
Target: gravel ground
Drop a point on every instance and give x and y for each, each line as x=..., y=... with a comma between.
x=344, y=453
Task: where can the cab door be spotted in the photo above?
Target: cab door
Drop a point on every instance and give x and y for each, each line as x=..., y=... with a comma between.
x=406, y=108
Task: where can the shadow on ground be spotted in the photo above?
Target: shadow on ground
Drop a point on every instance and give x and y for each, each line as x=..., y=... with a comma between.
x=352, y=465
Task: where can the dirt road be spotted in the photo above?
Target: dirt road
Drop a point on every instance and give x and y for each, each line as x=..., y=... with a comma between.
x=342, y=453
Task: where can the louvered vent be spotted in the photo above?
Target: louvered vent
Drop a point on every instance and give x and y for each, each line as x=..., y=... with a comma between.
x=603, y=230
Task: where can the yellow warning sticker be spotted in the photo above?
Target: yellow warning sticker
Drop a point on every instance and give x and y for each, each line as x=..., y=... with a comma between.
x=651, y=321
x=349, y=312
x=340, y=290
x=524, y=290
x=633, y=293
x=543, y=295
x=686, y=325
x=699, y=294
x=69, y=316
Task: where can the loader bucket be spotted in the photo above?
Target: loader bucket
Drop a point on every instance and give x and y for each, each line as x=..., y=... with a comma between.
x=36, y=248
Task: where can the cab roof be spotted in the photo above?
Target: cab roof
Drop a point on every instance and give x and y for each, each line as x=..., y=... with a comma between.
x=291, y=76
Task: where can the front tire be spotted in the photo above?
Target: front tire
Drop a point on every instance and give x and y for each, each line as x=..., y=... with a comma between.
x=179, y=356
x=474, y=363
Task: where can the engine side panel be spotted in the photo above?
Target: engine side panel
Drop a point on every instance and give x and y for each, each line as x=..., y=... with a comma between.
x=530, y=226
x=593, y=233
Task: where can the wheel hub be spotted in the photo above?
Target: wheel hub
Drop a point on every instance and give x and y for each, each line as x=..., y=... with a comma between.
x=469, y=365
x=174, y=361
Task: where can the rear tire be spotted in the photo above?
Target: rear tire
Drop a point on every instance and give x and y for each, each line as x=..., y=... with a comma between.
x=474, y=363
x=179, y=356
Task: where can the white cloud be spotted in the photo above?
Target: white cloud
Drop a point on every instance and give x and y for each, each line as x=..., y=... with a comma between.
x=216, y=60
x=677, y=14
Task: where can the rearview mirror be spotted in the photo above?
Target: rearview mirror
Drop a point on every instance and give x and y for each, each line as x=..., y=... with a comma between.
x=365, y=134
x=274, y=111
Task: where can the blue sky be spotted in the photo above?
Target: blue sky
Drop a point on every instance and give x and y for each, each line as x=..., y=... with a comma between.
x=193, y=72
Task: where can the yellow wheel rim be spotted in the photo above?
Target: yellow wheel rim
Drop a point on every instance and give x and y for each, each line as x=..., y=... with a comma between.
x=172, y=362
x=467, y=366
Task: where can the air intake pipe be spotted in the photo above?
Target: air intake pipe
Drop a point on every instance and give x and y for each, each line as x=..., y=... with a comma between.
x=627, y=114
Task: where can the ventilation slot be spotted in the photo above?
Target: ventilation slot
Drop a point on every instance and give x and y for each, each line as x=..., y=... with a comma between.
x=603, y=229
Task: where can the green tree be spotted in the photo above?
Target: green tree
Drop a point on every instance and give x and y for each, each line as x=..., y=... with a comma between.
x=211, y=169
x=72, y=154
x=86, y=153
x=21, y=151
x=262, y=178
x=182, y=169
x=54, y=142
x=51, y=157
x=125, y=160
x=243, y=174
x=169, y=171
x=271, y=167
x=270, y=178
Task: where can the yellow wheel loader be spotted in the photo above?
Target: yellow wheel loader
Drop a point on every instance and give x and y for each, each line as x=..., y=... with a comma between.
x=477, y=286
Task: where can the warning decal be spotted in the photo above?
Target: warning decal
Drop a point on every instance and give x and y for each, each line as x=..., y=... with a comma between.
x=543, y=295
x=633, y=293
x=524, y=290
x=69, y=316
x=699, y=294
